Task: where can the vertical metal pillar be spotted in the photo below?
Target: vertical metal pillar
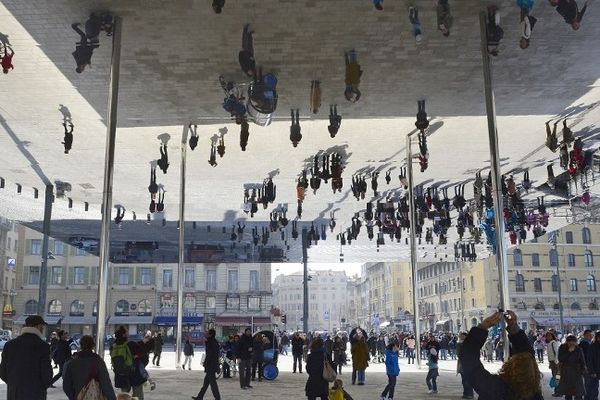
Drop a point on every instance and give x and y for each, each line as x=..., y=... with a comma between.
x=496, y=177
x=48, y=200
x=413, y=245
x=553, y=238
x=109, y=160
x=305, y=280
x=181, y=266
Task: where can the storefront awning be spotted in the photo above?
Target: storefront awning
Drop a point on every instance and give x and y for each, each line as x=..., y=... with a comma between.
x=171, y=320
x=241, y=321
x=79, y=320
x=442, y=322
x=131, y=319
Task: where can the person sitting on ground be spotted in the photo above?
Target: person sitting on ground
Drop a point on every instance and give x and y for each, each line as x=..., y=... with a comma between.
x=518, y=379
x=570, y=11
x=337, y=391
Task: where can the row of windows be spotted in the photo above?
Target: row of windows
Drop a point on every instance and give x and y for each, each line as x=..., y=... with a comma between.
x=58, y=249
x=123, y=276
x=588, y=258
x=541, y=306
x=122, y=306
x=590, y=283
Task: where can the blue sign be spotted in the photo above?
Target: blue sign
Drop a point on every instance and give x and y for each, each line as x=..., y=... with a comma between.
x=11, y=263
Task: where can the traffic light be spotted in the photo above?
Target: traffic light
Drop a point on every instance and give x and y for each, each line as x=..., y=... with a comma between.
x=284, y=319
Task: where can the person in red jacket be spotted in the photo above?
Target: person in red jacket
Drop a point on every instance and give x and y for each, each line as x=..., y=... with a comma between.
x=7, y=60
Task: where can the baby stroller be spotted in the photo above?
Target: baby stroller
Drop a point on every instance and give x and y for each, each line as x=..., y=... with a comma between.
x=262, y=98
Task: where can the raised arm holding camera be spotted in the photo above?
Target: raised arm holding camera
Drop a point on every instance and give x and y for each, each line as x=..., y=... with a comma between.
x=518, y=379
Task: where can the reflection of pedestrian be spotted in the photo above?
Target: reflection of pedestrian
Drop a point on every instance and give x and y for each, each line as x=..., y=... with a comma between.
x=218, y=5
x=194, y=137
x=315, y=96
x=295, y=135
x=444, y=17
x=68, y=139
x=163, y=162
x=212, y=160
x=413, y=17
x=494, y=32
x=7, y=60
x=120, y=214
x=244, y=134
x=246, y=55
x=422, y=121
x=83, y=50
x=378, y=4
x=353, y=74
x=221, y=146
x=570, y=11
x=335, y=120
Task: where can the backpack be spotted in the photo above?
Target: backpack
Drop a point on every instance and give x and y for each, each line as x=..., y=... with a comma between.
x=121, y=359
x=91, y=391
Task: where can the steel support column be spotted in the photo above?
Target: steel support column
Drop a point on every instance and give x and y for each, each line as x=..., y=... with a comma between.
x=305, y=280
x=413, y=244
x=109, y=160
x=500, y=252
x=181, y=266
x=48, y=200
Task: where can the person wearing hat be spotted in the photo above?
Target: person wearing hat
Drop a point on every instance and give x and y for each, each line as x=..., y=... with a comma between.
x=25, y=365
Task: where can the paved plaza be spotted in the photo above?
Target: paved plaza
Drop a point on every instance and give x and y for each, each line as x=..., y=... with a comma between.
x=172, y=384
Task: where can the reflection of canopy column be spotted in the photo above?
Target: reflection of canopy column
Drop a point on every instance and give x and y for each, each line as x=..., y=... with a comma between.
x=496, y=177
x=109, y=161
x=413, y=243
x=181, y=265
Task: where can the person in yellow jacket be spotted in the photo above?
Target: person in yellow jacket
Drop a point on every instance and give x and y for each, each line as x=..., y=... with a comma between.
x=353, y=74
x=337, y=392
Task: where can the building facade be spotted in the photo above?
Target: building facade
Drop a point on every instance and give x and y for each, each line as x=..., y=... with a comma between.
x=327, y=292
x=227, y=297
x=8, y=257
x=456, y=295
x=539, y=271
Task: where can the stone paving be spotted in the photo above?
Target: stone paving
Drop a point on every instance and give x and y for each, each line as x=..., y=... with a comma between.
x=178, y=384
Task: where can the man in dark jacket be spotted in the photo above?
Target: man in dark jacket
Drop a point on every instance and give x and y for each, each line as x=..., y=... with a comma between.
x=61, y=354
x=244, y=355
x=25, y=365
x=297, y=345
x=590, y=382
x=158, y=346
x=495, y=387
x=594, y=366
x=211, y=366
x=569, y=10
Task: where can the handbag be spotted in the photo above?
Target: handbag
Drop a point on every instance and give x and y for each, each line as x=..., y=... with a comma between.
x=328, y=372
x=91, y=390
x=553, y=382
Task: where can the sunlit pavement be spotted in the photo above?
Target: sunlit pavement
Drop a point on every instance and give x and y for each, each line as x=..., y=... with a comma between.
x=182, y=384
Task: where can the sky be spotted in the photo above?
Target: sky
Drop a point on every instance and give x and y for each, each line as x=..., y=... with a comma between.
x=290, y=268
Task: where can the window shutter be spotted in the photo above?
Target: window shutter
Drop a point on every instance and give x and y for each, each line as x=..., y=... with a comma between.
x=115, y=272
x=153, y=275
x=86, y=275
x=70, y=278
x=138, y=276
x=26, y=276
x=28, y=246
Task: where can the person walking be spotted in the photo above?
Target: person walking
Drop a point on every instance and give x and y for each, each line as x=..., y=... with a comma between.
x=25, y=365
x=127, y=364
x=360, y=358
x=244, y=355
x=494, y=32
x=585, y=344
x=61, y=355
x=410, y=349
x=335, y=120
x=188, y=352
x=539, y=346
x=467, y=388
x=552, y=353
x=297, y=350
x=258, y=357
x=295, y=134
x=316, y=386
x=6, y=60
x=339, y=354
x=444, y=17
x=509, y=383
x=211, y=367
x=432, y=374
x=593, y=364
x=315, y=96
x=392, y=370
x=85, y=367
x=83, y=50
x=413, y=17
x=569, y=10
x=572, y=368
x=158, y=347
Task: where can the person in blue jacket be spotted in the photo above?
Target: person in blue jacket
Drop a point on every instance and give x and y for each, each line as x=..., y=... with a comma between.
x=518, y=379
x=392, y=369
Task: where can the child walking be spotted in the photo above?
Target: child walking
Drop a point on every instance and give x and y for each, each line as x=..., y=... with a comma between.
x=432, y=375
x=337, y=392
x=392, y=369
